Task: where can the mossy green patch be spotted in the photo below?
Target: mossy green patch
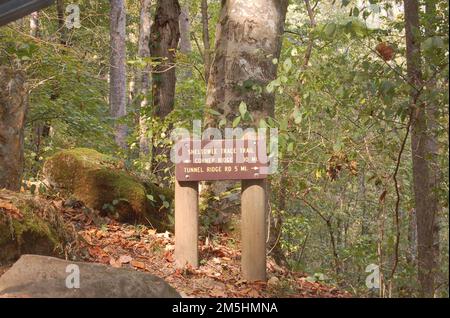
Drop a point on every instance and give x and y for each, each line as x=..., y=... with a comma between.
x=96, y=180
x=38, y=230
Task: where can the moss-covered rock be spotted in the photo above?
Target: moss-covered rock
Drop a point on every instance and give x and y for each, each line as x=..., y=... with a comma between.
x=95, y=179
x=30, y=224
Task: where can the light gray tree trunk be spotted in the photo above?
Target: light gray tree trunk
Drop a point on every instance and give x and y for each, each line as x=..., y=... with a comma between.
x=185, y=37
x=206, y=41
x=144, y=78
x=13, y=108
x=248, y=38
x=34, y=24
x=117, y=73
x=38, y=126
x=185, y=30
x=425, y=197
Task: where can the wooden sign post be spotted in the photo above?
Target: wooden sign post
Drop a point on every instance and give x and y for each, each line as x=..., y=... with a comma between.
x=208, y=160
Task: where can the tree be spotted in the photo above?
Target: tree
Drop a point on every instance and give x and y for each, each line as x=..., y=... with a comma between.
x=13, y=108
x=41, y=129
x=185, y=38
x=185, y=30
x=425, y=197
x=248, y=40
x=205, y=36
x=143, y=85
x=164, y=42
x=61, y=22
x=34, y=24
x=244, y=52
x=117, y=71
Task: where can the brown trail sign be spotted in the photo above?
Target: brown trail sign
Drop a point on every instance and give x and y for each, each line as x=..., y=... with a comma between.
x=231, y=159
x=207, y=160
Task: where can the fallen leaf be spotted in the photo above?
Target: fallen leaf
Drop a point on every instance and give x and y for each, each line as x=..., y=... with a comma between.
x=114, y=263
x=14, y=211
x=138, y=264
x=253, y=293
x=124, y=259
x=217, y=293
x=169, y=247
x=273, y=281
x=168, y=257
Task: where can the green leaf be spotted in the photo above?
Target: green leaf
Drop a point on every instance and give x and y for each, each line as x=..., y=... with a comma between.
x=243, y=108
x=236, y=121
x=287, y=65
x=290, y=147
x=338, y=146
x=270, y=87
x=330, y=29
x=434, y=42
x=262, y=124
x=222, y=122
x=298, y=116
x=213, y=111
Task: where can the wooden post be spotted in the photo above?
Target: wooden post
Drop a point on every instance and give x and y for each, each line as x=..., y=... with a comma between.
x=186, y=223
x=253, y=229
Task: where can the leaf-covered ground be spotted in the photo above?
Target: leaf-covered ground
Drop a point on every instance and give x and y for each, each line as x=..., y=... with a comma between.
x=141, y=248
x=103, y=240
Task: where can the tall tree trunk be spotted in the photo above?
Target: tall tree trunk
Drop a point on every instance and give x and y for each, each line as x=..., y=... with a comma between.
x=432, y=116
x=425, y=197
x=185, y=30
x=117, y=72
x=206, y=42
x=164, y=42
x=412, y=238
x=185, y=38
x=38, y=126
x=34, y=24
x=13, y=108
x=165, y=35
x=145, y=26
x=248, y=38
x=362, y=197
x=60, y=10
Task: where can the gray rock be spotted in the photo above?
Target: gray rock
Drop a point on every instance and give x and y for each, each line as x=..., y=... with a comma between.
x=45, y=277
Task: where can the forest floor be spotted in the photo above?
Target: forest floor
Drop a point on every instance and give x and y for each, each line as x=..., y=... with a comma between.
x=138, y=247
x=141, y=248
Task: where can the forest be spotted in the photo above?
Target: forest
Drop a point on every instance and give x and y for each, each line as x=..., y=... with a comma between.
x=356, y=91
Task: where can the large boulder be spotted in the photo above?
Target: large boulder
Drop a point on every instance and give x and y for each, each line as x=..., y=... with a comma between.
x=30, y=224
x=97, y=180
x=48, y=277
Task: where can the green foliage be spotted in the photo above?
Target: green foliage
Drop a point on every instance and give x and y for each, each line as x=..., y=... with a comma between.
x=341, y=117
